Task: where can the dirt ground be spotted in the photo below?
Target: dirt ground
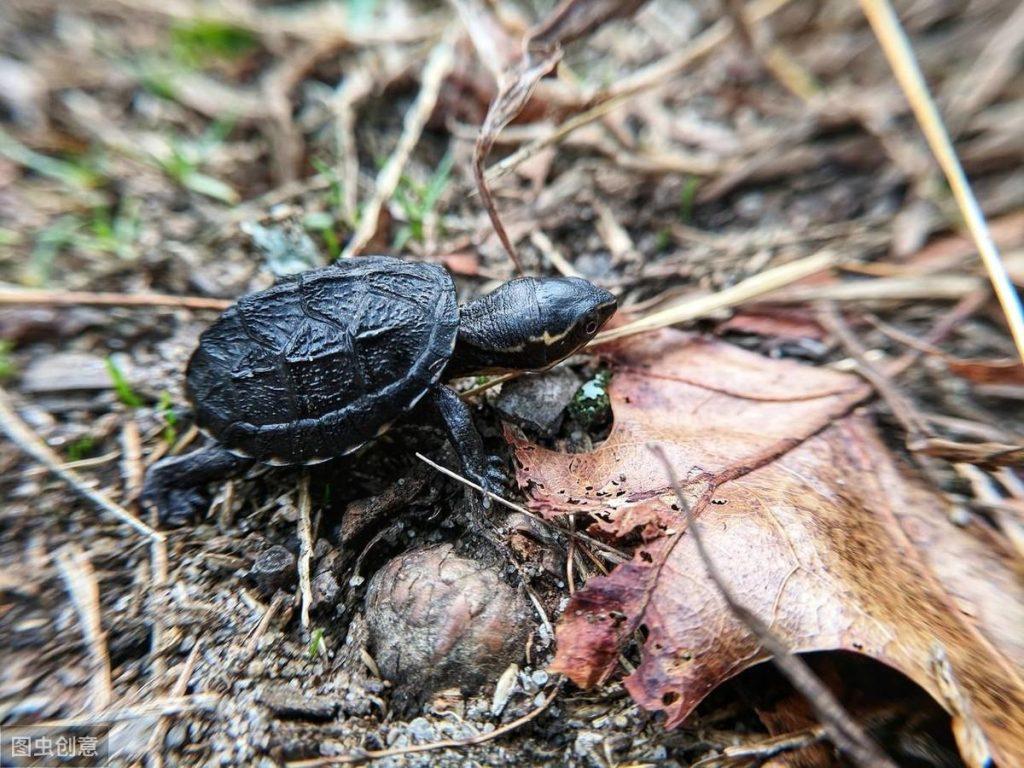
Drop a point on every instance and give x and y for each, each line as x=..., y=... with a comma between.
x=197, y=151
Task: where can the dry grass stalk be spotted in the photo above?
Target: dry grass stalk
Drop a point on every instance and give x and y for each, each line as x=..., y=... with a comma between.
x=762, y=750
x=157, y=707
x=894, y=43
x=29, y=442
x=268, y=616
x=180, y=686
x=366, y=755
x=609, y=551
x=754, y=287
x=357, y=86
x=543, y=243
x=923, y=288
x=80, y=580
x=132, y=470
x=437, y=68
x=305, y=505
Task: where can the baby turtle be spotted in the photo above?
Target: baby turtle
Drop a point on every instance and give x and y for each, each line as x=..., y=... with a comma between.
x=320, y=363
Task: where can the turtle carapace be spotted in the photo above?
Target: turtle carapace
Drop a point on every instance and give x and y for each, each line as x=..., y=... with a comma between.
x=318, y=364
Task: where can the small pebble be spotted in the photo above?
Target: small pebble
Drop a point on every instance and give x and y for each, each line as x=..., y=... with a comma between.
x=275, y=568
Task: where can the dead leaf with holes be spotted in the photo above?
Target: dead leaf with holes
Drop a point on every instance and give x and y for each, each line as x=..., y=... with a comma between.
x=816, y=526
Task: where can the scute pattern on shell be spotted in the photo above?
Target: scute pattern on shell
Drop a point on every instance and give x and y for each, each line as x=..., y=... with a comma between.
x=318, y=364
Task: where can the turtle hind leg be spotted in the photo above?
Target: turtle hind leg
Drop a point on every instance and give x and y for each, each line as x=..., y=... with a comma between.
x=175, y=485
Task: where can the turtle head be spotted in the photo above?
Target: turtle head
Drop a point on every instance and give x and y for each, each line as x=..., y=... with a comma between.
x=530, y=324
x=570, y=312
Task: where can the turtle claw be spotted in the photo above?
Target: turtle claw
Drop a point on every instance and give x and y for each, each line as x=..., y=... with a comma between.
x=176, y=507
x=492, y=479
x=175, y=485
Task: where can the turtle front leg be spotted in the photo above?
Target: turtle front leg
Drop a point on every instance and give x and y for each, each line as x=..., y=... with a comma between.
x=466, y=440
x=175, y=485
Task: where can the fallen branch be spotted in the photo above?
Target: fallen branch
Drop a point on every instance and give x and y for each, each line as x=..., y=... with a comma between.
x=88, y=298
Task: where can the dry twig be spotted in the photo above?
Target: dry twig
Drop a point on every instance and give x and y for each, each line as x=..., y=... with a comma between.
x=178, y=690
x=648, y=78
x=437, y=68
x=305, y=505
x=366, y=755
x=610, y=552
x=88, y=298
x=690, y=309
x=80, y=580
x=29, y=442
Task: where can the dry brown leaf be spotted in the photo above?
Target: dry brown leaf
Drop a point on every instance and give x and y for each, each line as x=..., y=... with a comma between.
x=988, y=371
x=817, y=528
x=779, y=323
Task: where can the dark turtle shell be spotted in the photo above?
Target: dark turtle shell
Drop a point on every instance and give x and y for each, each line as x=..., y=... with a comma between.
x=318, y=364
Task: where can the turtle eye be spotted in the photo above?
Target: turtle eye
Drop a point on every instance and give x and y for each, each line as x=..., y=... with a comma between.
x=591, y=326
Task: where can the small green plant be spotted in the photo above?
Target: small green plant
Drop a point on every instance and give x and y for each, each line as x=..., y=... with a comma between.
x=124, y=390
x=82, y=448
x=186, y=157
x=335, y=189
x=687, y=197
x=7, y=367
x=323, y=224
x=114, y=231
x=418, y=201
x=77, y=174
x=49, y=242
x=318, y=645
x=591, y=406
x=662, y=240
x=103, y=231
x=165, y=409
x=199, y=42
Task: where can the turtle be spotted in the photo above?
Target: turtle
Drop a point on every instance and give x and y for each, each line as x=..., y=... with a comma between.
x=324, y=361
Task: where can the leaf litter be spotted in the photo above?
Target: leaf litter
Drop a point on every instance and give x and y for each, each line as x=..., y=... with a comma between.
x=665, y=156
x=815, y=525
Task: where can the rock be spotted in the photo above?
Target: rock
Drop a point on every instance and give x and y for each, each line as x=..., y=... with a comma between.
x=275, y=568
x=293, y=704
x=287, y=248
x=437, y=619
x=538, y=402
x=67, y=372
x=24, y=325
x=325, y=590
